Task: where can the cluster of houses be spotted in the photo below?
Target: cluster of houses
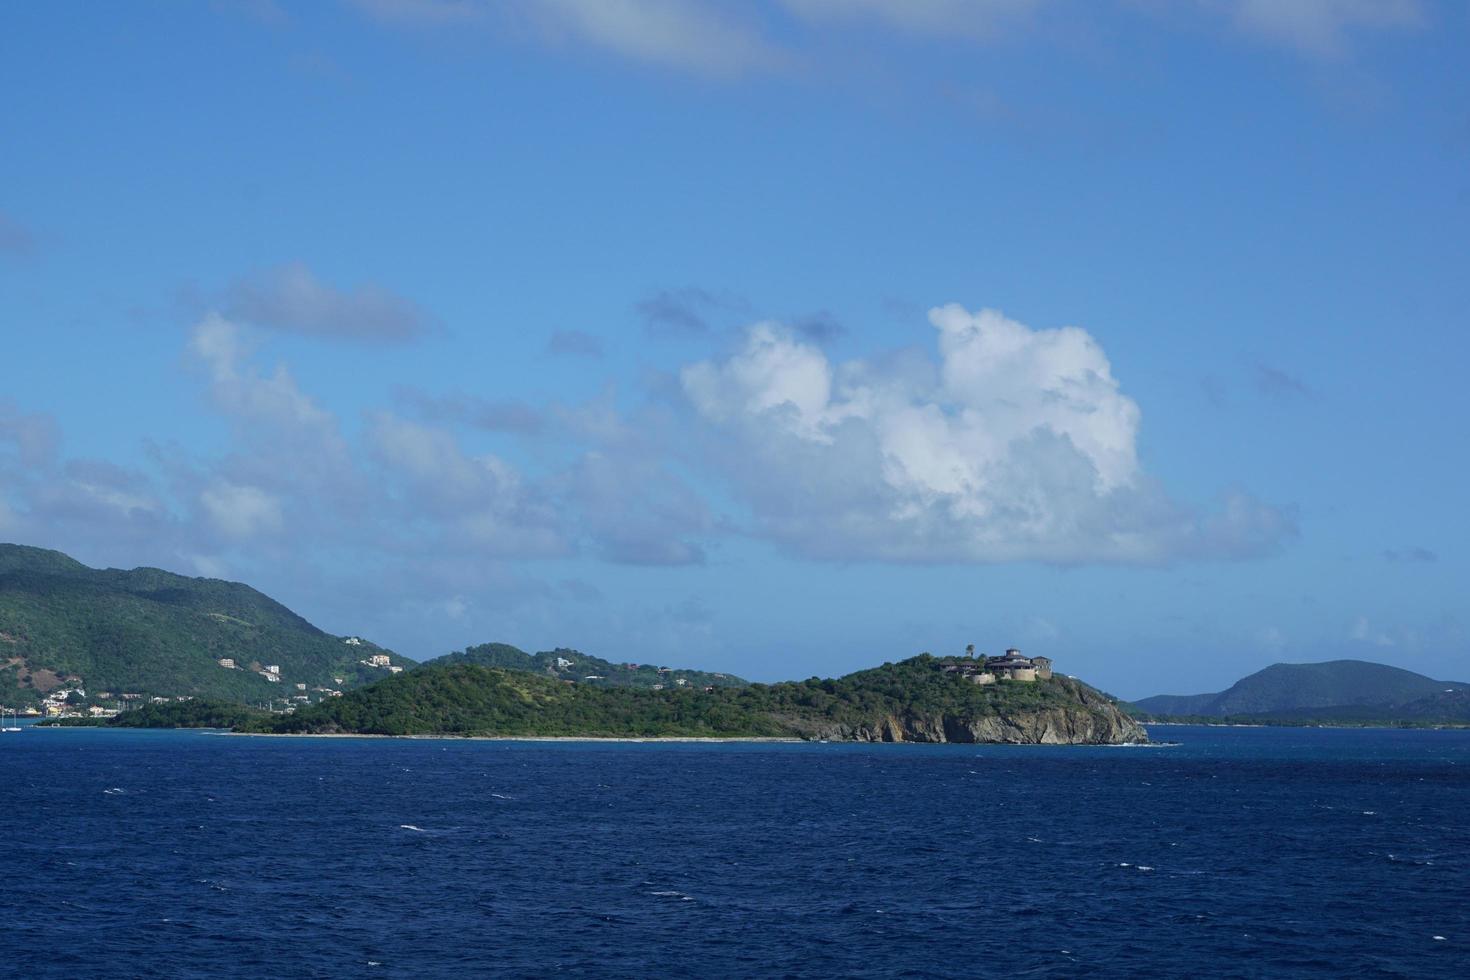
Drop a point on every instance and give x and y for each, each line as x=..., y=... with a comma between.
x=379, y=660
x=272, y=673
x=1010, y=666
x=67, y=702
x=70, y=702
x=383, y=662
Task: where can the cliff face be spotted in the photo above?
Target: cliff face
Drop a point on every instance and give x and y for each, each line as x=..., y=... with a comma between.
x=1092, y=720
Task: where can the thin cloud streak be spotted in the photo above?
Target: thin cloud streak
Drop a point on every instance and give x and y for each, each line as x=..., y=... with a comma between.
x=734, y=41
x=291, y=298
x=15, y=238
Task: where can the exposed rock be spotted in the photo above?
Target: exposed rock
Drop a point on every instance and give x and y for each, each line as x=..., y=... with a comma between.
x=1093, y=720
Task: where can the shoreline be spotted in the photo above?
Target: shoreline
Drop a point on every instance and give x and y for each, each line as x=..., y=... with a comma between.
x=516, y=738
x=1380, y=726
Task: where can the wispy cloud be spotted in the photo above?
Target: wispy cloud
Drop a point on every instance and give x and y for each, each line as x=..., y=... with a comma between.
x=820, y=328
x=698, y=36
x=689, y=35
x=1276, y=383
x=1320, y=28
x=1410, y=554
x=267, y=12
x=15, y=238
x=574, y=343
x=948, y=19
x=293, y=299
x=423, y=12
x=1363, y=631
x=491, y=415
x=725, y=40
x=32, y=436
x=684, y=312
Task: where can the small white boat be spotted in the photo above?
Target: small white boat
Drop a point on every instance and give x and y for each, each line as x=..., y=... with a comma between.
x=12, y=727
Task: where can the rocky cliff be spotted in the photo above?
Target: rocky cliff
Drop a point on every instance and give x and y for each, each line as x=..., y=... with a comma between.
x=1090, y=720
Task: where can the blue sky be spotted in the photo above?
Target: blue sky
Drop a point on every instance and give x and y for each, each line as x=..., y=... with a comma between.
x=784, y=338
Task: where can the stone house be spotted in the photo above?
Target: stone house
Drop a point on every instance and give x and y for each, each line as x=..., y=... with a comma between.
x=1012, y=666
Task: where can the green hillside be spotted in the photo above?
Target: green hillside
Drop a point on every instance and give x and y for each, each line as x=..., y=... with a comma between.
x=1448, y=707
x=908, y=701
x=573, y=665
x=1335, y=689
x=151, y=632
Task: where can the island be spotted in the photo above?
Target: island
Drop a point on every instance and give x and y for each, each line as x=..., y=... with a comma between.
x=1010, y=699
x=1336, y=693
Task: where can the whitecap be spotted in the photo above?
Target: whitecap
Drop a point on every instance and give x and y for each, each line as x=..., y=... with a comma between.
x=409, y=826
x=115, y=791
x=1439, y=939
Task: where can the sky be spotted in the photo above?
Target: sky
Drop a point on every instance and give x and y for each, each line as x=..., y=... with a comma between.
x=784, y=338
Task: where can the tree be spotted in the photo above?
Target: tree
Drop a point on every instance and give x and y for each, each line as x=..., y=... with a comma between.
x=970, y=650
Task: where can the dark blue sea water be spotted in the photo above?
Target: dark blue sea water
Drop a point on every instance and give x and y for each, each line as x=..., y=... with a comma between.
x=1237, y=852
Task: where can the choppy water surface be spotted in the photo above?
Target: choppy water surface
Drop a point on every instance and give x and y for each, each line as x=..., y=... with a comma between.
x=1240, y=852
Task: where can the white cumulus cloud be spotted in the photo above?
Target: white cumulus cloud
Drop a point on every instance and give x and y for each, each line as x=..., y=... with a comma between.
x=1019, y=444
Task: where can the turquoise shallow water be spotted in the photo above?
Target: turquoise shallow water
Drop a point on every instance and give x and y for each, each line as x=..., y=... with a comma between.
x=1236, y=852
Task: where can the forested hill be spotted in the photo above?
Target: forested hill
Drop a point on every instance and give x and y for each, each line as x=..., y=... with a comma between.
x=573, y=665
x=152, y=632
x=908, y=701
x=1346, y=690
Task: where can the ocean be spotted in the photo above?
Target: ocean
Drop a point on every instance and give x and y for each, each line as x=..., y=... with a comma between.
x=1233, y=853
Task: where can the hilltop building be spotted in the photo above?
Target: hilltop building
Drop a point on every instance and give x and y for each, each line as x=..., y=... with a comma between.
x=1011, y=666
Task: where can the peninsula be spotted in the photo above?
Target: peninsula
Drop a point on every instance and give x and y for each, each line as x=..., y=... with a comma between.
x=922, y=699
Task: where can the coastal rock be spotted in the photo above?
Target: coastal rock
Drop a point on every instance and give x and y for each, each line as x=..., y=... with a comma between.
x=1093, y=720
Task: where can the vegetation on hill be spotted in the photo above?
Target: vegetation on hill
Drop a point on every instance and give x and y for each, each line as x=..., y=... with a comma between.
x=467, y=699
x=470, y=699
x=574, y=665
x=152, y=632
x=1336, y=691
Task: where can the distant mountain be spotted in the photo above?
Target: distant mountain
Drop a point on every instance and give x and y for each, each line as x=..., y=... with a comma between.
x=1346, y=690
x=151, y=632
x=573, y=665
